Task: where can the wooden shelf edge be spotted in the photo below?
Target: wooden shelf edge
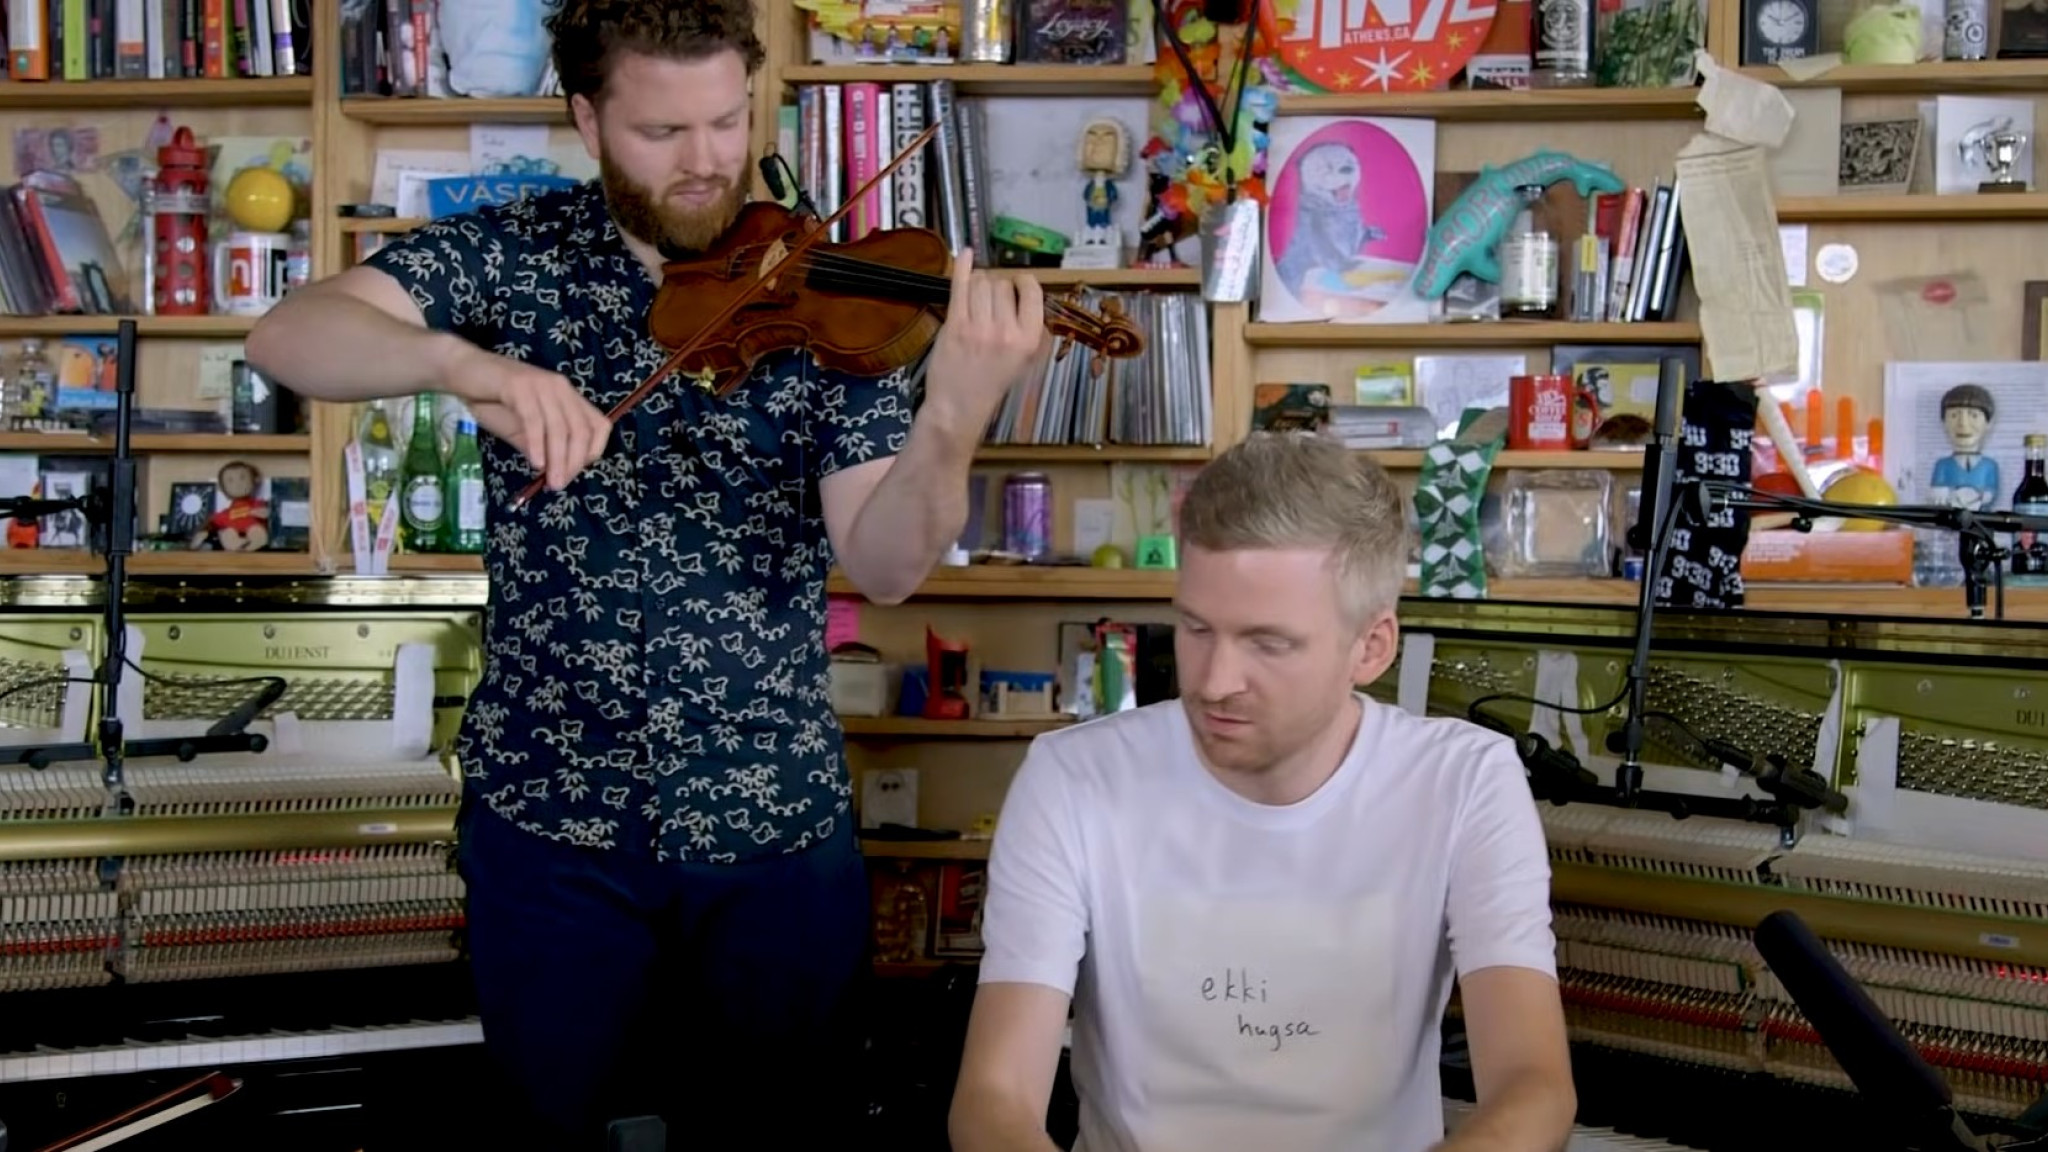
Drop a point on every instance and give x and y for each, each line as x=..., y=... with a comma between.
x=1481, y=104
x=1402, y=459
x=1960, y=208
x=925, y=849
x=917, y=727
x=1090, y=454
x=423, y=111
x=226, y=443
x=1023, y=582
x=1925, y=76
x=1495, y=333
x=144, y=565
x=1080, y=80
x=260, y=91
x=224, y=327
x=1919, y=929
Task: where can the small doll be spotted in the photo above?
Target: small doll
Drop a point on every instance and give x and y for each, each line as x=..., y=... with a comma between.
x=1105, y=153
x=244, y=525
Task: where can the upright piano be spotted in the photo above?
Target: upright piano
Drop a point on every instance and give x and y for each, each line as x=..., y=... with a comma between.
x=292, y=916
x=289, y=916
x=1931, y=888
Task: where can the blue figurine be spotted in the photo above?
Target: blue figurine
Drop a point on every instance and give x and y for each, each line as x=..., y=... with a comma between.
x=1105, y=153
x=1967, y=478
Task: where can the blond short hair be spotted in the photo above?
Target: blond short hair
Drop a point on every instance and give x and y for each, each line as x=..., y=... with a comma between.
x=1302, y=490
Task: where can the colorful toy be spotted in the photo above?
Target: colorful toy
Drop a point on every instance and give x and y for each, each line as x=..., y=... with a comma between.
x=1464, y=238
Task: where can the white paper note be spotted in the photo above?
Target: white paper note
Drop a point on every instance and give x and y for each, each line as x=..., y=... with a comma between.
x=1738, y=259
x=1741, y=109
x=1792, y=238
x=492, y=145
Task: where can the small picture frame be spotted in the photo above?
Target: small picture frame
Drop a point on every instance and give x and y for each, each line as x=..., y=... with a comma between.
x=1878, y=156
x=2034, y=319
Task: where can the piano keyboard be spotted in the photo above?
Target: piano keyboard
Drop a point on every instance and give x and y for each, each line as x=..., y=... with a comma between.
x=57, y=1064
x=1583, y=1139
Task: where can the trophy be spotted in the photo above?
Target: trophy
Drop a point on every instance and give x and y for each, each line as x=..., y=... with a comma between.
x=1997, y=147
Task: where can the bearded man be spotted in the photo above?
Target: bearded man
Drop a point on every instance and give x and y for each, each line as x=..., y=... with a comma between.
x=656, y=802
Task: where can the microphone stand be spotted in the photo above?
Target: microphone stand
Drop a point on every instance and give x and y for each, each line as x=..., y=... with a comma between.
x=1660, y=519
x=1557, y=776
x=1977, y=532
x=112, y=510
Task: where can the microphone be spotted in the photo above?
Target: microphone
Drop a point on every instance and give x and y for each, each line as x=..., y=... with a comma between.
x=1554, y=774
x=773, y=167
x=1911, y=1096
x=36, y=507
x=1801, y=786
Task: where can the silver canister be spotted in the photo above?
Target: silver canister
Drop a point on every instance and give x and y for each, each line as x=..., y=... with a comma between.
x=1965, y=29
x=988, y=31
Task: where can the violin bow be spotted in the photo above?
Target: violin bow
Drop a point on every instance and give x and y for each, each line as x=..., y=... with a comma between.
x=763, y=276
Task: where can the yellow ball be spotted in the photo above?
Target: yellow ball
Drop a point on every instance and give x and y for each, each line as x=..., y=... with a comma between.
x=1861, y=486
x=1107, y=556
x=261, y=200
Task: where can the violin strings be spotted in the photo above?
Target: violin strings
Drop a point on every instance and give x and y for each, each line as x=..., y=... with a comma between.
x=867, y=273
x=858, y=273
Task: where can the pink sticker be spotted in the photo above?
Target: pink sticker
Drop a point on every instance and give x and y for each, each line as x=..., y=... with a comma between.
x=842, y=621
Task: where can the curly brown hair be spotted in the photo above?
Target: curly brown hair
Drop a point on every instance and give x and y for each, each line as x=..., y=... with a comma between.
x=589, y=35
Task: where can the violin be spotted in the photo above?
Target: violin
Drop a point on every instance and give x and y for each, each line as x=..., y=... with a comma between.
x=867, y=307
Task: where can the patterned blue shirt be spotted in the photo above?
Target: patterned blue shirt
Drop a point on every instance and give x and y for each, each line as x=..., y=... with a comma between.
x=654, y=670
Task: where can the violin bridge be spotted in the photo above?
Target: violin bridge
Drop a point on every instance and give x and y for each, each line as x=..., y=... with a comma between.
x=777, y=251
x=705, y=378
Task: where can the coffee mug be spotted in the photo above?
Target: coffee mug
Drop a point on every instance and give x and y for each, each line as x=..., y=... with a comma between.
x=250, y=272
x=1550, y=412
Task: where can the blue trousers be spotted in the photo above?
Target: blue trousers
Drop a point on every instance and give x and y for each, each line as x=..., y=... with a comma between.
x=718, y=996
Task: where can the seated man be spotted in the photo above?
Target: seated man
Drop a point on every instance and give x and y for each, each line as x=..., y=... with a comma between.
x=1258, y=894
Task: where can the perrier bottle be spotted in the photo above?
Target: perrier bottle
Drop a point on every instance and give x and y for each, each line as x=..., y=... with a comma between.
x=463, y=487
x=420, y=504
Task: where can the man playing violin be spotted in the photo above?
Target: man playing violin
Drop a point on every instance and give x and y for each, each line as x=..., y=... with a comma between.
x=656, y=810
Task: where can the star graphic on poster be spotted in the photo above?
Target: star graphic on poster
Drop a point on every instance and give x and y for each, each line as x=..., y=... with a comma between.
x=1454, y=41
x=1344, y=81
x=1382, y=71
x=1422, y=74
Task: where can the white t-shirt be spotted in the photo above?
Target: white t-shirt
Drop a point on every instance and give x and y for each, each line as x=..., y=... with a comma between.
x=1250, y=976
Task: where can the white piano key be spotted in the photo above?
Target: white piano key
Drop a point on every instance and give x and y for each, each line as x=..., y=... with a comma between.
x=245, y=1050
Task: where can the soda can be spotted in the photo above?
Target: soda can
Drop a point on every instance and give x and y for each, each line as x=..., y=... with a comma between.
x=985, y=31
x=1027, y=515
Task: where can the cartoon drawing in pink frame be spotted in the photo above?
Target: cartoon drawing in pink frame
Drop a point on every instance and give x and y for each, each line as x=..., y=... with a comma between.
x=1349, y=219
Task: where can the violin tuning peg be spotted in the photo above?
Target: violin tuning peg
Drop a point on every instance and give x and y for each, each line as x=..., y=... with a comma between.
x=1060, y=347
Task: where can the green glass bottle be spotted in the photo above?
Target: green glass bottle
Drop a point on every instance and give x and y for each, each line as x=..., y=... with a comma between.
x=463, y=485
x=419, y=507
